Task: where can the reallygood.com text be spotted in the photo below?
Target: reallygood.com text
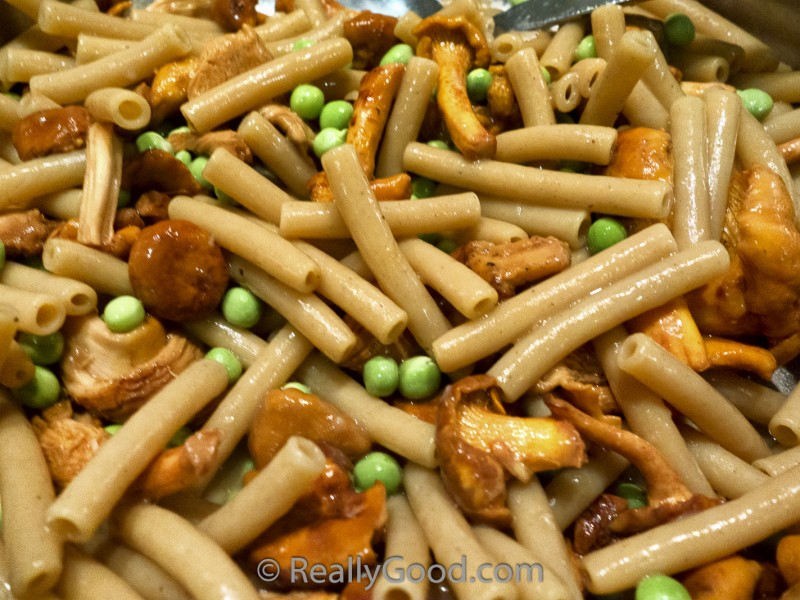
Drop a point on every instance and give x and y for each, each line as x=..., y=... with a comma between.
x=396, y=570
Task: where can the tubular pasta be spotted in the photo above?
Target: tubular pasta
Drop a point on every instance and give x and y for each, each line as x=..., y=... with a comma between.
x=703, y=67
x=588, y=71
x=371, y=233
x=22, y=183
x=722, y=126
x=92, y=47
x=398, y=431
x=757, y=402
x=183, y=551
x=86, y=579
x=124, y=108
x=779, y=462
x=781, y=85
x=69, y=21
x=103, y=272
x=611, y=195
x=91, y=495
x=530, y=88
x=696, y=539
x=20, y=64
x=565, y=94
x=784, y=425
x=477, y=339
x=33, y=551
x=279, y=27
x=142, y=574
x=560, y=52
x=690, y=394
x=77, y=297
x=505, y=45
x=588, y=143
x=36, y=313
x=785, y=127
x=267, y=497
x=568, y=225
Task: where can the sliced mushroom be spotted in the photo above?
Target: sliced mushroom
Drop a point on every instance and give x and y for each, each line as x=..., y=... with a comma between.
x=205, y=144
x=177, y=270
x=371, y=35
x=288, y=412
x=731, y=578
x=152, y=206
x=233, y=15
x=509, y=265
x=478, y=446
x=457, y=45
x=169, y=88
x=113, y=374
x=51, y=131
x=227, y=56
x=501, y=100
x=592, y=529
x=668, y=497
x=158, y=170
x=393, y=187
x=731, y=354
x=24, y=233
x=290, y=124
x=68, y=441
x=178, y=469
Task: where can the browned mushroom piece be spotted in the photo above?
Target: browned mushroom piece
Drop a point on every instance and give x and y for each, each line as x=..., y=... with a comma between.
x=232, y=15
x=592, y=529
x=790, y=151
x=169, y=87
x=331, y=525
x=457, y=45
x=509, y=265
x=732, y=354
x=368, y=346
x=730, y=578
x=226, y=57
x=371, y=35
x=179, y=469
x=479, y=446
x=24, y=233
x=153, y=206
x=51, y=131
x=158, y=170
x=177, y=270
x=288, y=412
x=787, y=557
x=291, y=125
x=393, y=187
x=501, y=101
x=119, y=245
x=68, y=441
x=112, y=374
x=205, y=144
x=667, y=495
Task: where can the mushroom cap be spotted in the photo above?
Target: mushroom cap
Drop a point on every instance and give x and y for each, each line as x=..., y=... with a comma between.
x=451, y=28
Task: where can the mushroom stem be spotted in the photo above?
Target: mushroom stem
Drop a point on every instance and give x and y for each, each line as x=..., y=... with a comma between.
x=101, y=185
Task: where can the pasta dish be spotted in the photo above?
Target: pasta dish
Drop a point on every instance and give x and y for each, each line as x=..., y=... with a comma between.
x=332, y=304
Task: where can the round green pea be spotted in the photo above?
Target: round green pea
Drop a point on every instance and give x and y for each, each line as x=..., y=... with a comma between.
x=42, y=349
x=113, y=428
x=478, y=82
x=327, y=139
x=296, y=385
x=634, y=494
x=422, y=187
x=336, y=114
x=604, y=233
x=123, y=198
x=548, y=78
x=41, y=391
x=400, y=53
x=381, y=376
x=440, y=144
x=228, y=360
x=447, y=245
x=184, y=156
x=241, y=307
x=196, y=168
x=661, y=587
x=124, y=314
x=586, y=49
x=378, y=466
x=419, y=377
x=152, y=140
x=302, y=43
x=678, y=29
x=757, y=102
x=307, y=101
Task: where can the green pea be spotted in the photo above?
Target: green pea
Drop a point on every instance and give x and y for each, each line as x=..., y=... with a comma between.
x=2, y=255
x=123, y=198
x=180, y=436
x=604, y=233
x=151, y=140
x=327, y=139
x=42, y=349
x=302, y=43
x=574, y=166
x=515, y=2
x=378, y=466
x=224, y=198
x=548, y=78
x=478, y=82
x=13, y=96
x=381, y=376
x=307, y=101
x=181, y=129
x=586, y=49
x=419, y=377
x=113, y=428
x=336, y=114
x=124, y=314
x=184, y=156
x=661, y=587
x=41, y=391
x=422, y=187
x=678, y=29
x=431, y=238
x=440, y=144
x=228, y=360
x=400, y=53
x=196, y=168
x=757, y=102
x=241, y=307
x=297, y=386
x=447, y=245
x=634, y=494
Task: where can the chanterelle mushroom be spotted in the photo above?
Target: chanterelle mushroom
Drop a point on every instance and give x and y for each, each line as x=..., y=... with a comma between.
x=113, y=374
x=478, y=445
x=457, y=45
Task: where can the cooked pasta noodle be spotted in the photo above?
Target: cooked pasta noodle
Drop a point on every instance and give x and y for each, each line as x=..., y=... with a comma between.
x=100, y=270
x=22, y=183
x=530, y=88
x=588, y=143
x=722, y=125
x=86, y=579
x=142, y=574
x=37, y=313
x=124, y=108
x=20, y=64
x=77, y=297
x=569, y=225
x=757, y=402
x=560, y=52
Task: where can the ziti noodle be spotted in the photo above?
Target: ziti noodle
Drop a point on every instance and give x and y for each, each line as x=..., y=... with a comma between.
x=334, y=304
